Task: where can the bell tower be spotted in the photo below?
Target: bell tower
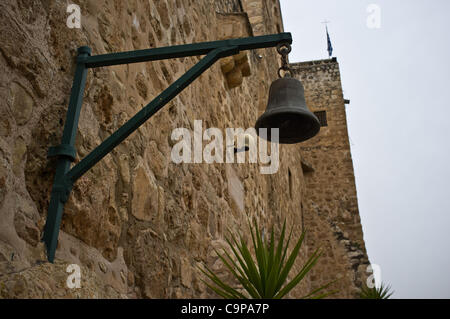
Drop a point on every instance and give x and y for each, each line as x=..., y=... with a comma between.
x=331, y=215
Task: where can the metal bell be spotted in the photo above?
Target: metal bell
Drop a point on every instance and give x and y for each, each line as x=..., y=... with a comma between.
x=287, y=111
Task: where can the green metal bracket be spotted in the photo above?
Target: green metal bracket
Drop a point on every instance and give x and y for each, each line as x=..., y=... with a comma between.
x=66, y=176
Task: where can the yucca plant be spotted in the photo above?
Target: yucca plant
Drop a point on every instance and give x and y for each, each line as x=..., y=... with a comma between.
x=266, y=276
x=382, y=292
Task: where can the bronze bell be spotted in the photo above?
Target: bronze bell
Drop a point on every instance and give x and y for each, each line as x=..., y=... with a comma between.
x=287, y=110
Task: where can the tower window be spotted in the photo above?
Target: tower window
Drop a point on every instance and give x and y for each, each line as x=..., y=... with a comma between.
x=322, y=116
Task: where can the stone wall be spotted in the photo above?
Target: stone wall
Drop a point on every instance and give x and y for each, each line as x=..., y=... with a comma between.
x=138, y=224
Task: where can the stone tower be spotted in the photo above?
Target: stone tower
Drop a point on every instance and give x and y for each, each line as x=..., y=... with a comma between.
x=331, y=213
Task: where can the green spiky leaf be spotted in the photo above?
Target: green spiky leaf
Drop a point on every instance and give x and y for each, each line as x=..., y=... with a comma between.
x=382, y=292
x=265, y=274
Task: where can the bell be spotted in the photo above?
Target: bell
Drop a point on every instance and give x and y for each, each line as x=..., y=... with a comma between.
x=287, y=111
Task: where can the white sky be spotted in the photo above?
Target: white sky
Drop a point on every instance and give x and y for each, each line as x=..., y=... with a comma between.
x=397, y=78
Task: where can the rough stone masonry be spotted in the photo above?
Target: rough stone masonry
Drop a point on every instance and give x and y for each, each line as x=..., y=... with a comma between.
x=137, y=224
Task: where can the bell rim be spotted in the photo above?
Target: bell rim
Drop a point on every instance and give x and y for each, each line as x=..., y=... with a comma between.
x=315, y=129
x=287, y=110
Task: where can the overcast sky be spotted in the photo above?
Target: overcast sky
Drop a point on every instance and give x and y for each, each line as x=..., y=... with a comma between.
x=397, y=78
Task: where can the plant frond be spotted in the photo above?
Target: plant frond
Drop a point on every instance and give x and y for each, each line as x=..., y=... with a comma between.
x=265, y=274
